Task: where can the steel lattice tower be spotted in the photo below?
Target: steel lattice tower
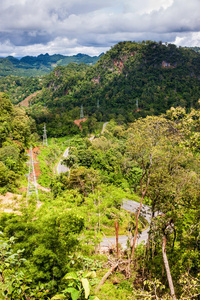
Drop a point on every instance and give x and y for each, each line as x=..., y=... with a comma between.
x=97, y=103
x=81, y=114
x=32, y=183
x=45, y=136
x=137, y=106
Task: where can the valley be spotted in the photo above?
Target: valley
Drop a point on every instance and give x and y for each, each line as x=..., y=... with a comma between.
x=123, y=143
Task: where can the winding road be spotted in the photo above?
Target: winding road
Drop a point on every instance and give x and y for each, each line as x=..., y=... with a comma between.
x=62, y=168
x=131, y=206
x=104, y=126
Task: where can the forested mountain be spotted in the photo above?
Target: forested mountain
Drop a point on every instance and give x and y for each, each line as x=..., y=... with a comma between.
x=40, y=65
x=129, y=81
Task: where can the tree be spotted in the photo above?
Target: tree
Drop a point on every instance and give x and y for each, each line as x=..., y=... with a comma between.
x=170, y=179
x=145, y=138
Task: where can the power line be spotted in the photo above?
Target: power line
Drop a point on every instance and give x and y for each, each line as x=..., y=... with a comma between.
x=81, y=114
x=137, y=105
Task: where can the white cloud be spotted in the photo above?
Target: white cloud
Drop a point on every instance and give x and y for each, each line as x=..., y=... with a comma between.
x=41, y=26
x=191, y=39
x=146, y=6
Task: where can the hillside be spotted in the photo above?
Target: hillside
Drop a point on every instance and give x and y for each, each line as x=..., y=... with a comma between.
x=129, y=81
x=19, y=88
x=58, y=238
x=41, y=64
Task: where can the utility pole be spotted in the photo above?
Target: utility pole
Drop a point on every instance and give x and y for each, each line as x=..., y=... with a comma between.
x=81, y=114
x=32, y=183
x=45, y=136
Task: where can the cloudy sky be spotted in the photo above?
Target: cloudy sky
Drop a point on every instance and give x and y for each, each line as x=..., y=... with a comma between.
x=31, y=27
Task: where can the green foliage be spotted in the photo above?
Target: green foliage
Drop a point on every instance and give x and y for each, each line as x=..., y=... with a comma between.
x=16, y=129
x=160, y=153
x=18, y=88
x=47, y=241
x=12, y=274
x=79, y=287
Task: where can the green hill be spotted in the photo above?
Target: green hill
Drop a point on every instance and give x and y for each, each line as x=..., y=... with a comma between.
x=18, y=88
x=129, y=81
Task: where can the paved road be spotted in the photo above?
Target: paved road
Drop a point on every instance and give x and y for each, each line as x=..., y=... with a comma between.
x=128, y=205
x=61, y=168
x=131, y=206
x=104, y=126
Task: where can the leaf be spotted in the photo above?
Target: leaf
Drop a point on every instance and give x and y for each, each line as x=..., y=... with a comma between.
x=74, y=293
x=71, y=275
x=91, y=275
x=58, y=297
x=86, y=287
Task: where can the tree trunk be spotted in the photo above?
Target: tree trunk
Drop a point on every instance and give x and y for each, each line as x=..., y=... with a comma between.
x=105, y=277
x=167, y=268
x=117, y=236
x=136, y=228
x=143, y=192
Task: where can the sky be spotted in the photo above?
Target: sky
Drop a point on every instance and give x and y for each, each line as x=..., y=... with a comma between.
x=68, y=27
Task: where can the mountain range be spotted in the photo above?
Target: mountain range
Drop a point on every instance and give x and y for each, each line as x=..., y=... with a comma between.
x=129, y=81
x=41, y=64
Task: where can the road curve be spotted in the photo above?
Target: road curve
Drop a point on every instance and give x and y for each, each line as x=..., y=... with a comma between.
x=131, y=206
x=104, y=126
x=128, y=205
x=61, y=168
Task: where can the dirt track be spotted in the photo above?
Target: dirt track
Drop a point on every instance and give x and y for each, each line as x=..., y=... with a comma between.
x=25, y=102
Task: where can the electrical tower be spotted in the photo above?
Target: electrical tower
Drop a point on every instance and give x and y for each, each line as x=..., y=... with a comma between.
x=97, y=103
x=81, y=114
x=45, y=136
x=137, y=106
x=32, y=183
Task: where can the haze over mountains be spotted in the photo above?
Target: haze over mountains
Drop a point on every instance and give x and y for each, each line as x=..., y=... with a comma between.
x=41, y=64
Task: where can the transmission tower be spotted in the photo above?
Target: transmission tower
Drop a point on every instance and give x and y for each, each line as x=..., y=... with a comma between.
x=32, y=183
x=137, y=106
x=97, y=103
x=81, y=114
x=45, y=136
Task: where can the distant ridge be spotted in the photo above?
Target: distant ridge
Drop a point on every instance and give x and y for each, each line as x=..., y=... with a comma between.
x=41, y=64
